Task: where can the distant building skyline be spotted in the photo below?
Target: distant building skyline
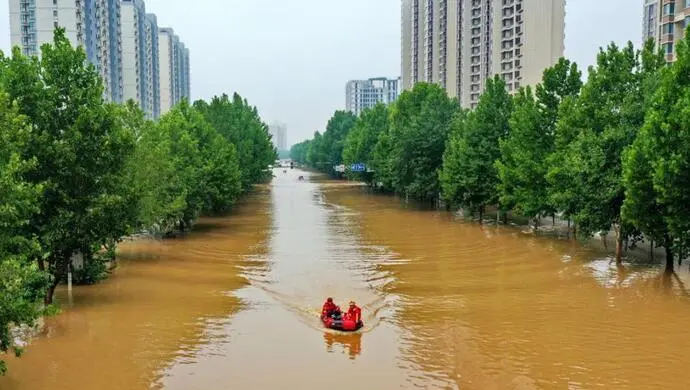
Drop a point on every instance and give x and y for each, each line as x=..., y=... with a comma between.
x=278, y=133
x=363, y=94
x=119, y=38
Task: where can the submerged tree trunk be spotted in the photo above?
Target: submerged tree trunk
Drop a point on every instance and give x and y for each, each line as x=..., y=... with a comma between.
x=619, y=243
x=50, y=292
x=668, y=245
x=481, y=214
x=669, y=259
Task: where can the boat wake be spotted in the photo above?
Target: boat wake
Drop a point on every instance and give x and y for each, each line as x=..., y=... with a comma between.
x=310, y=313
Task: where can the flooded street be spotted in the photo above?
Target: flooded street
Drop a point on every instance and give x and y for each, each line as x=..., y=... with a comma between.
x=446, y=305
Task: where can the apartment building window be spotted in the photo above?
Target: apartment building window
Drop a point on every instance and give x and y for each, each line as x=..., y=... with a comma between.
x=55, y=13
x=476, y=3
x=667, y=47
x=667, y=28
x=669, y=9
x=475, y=50
x=475, y=40
x=475, y=68
x=54, y=2
x=687, y=3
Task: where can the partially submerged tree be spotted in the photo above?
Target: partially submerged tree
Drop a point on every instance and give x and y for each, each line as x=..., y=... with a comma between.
x=657, y=165
x=469, y=174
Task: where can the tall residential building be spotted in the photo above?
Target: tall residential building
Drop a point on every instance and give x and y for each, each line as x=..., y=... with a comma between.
x=152, y=98
x=92, y=24
x=278, y=133
x=133, y=50
x=174, y=69
x=459, y=44
x=665, y=21
x=363, y=94
x=140, y=56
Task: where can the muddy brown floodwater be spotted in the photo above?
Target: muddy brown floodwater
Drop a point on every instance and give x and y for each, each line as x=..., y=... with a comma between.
x=447, y=305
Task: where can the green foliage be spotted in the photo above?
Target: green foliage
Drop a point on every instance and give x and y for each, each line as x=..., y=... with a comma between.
x=241, y=125
x=80, y=148
x=419, y=127
x=469, y=176
x=77, y=174
x=595, y=128
x=657, y=165
x=298, y=152
x=21, y=283
x=524, y=162
x=326, y=150
x=362, y=139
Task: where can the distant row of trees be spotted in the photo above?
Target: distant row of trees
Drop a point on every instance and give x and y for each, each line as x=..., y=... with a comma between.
x=77, y=174
x=610, y=153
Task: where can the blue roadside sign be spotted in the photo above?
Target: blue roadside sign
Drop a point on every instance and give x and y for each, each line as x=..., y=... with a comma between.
x=359, y=167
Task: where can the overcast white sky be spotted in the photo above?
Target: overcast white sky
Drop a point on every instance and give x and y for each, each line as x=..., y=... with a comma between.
x=292, y=58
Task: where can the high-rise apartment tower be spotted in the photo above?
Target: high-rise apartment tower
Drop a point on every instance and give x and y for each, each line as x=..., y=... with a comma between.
x=92, y=24
x=363, y=94
x=665, y=22
x=458, y=44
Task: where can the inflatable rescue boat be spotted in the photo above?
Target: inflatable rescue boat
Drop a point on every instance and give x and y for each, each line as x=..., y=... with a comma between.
x=339, y=323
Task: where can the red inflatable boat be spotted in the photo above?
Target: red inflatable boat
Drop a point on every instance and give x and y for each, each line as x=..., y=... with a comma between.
x=340, y=323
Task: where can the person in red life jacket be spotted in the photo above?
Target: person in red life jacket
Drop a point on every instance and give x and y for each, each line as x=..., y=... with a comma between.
x=330, y=308
x=354, y=312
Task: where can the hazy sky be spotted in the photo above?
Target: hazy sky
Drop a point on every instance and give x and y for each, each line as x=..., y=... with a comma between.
x=292, y=58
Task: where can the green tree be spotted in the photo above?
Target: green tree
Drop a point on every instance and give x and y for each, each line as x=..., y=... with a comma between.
x=80, y=146
x=22, y=284
x=469, y=176
x=362, y=139
x=600, y=124
x=524, y=164
x=298, y=152
x=151, y=174
x=419, y=127
x=381, y=161
x=657, y=165
x=334, y=137
x=241, y=125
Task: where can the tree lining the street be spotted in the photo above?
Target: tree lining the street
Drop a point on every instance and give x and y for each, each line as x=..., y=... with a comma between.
x=79, y=174
x=607, y=153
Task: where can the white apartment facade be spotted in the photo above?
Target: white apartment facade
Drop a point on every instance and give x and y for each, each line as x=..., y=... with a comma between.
x=91, y=24
x=278, y=133
x=120, y=39
x=459, y=44
x=174, y=71
x=665, y=21
x=363, y=94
